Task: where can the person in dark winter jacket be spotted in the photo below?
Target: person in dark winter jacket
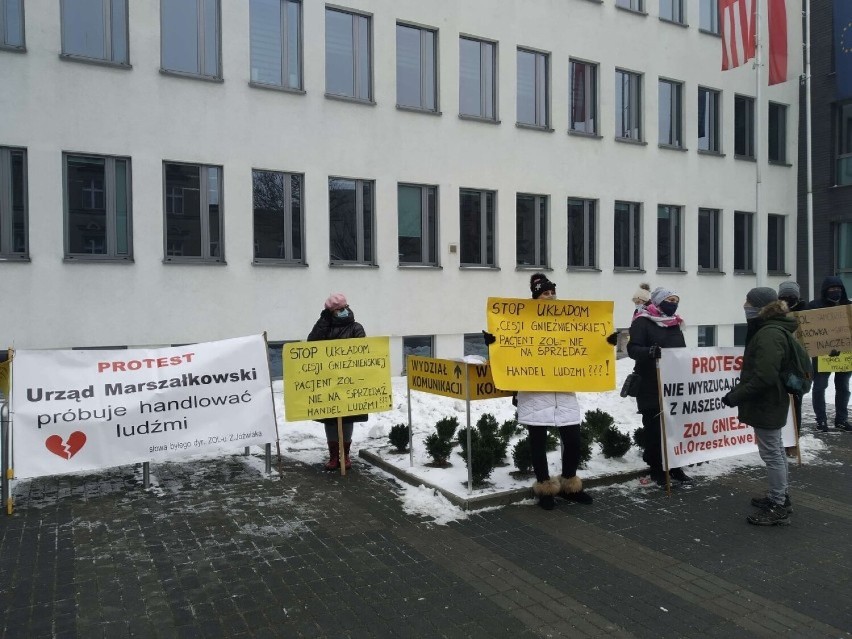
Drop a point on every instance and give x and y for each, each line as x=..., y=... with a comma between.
x=761, y=399
x=833, y=294
x=655, y=326
x=790, y=293
x=337, y=321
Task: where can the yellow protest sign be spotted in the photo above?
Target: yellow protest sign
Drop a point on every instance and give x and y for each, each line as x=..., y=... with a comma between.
x=823, y=330
x=551, y=345
x=840, y=364
x=5, y=377
x=336, y=378
x=451, y=378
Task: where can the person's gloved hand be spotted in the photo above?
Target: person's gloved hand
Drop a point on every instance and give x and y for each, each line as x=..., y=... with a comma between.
x=489, y=338
x=612, y=338
x=655, y=352
x=834, y=353
x=726, y=400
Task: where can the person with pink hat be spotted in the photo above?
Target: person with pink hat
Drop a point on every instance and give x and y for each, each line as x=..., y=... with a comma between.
x=337, y=321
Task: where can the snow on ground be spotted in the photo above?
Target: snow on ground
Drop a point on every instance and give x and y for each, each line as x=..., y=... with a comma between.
x=305, y=441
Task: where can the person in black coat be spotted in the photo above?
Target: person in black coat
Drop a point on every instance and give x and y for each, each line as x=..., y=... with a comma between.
x=337, y=321
x=654, y=327
x=833, y=294
x=790, y=293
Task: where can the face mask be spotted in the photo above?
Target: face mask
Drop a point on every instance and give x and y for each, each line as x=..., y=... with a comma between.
x=791, y=301
x=833, y=297
x=342, y=313
x=751, y=312
x=668, y=308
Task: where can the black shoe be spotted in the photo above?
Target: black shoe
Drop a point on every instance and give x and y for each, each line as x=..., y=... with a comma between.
x=763, y=503
x=658, y=477
x=822, y=427
x=580, y=497
x=678, y=475
x=547, y=502
x=844, y=426
x=774, y=515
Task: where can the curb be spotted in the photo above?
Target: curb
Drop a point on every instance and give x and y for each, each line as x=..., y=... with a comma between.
x=487, y=501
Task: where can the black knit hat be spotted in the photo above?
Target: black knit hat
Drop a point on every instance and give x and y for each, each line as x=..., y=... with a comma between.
x=539, y=284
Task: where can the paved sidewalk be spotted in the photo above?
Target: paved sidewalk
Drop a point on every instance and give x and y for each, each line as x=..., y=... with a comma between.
x=218, y=550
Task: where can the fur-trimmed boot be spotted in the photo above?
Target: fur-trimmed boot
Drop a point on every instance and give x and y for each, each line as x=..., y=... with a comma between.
x=545, y=490
x=347, y=446
x=333, y=462
x=571, y=488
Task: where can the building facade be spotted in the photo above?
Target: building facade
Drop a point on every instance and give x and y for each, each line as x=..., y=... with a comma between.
x=182, y=171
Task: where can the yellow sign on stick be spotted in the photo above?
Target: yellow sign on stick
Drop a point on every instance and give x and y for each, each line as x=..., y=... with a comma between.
x=840, y=364
x=451, y=378
x=551, y=345
x=336, y=378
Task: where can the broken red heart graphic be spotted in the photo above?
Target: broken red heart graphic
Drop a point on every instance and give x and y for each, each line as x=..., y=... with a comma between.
x=66, y=450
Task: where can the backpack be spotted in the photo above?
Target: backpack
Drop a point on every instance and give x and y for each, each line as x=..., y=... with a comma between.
x=797, y=371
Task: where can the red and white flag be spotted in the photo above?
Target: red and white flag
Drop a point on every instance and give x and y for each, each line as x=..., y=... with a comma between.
x=777, y=41
x=738, y=19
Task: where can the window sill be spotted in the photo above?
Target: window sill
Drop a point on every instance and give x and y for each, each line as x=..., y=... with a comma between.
x=192, y=76
x=746, y=273
x=477, y=118
x=671, y=271
x=628, y=269
x=10, y=49
x=840, y=186
x=411, y=109
x=779, y=163
x=715, y=34
x=717, y=154
x=533, y=127
x=778, y=274
x=276, y=87
x=532, y=267
x=278, y=263
x=672, y=147
x=683, y=25
x=631, y=141
x=583, y=269
x=745, y=158
x=351, y=265
x=347, y=98
x=708, y=271
x=93, y=259
x=70, y=57
x=193, y=261
x=635, y=12
x=583, y=134
x=420, y=267
x=15, y=258
x=478, y=267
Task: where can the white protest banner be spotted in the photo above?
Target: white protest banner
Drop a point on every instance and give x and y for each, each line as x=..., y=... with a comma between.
x=699, y=427
x=84, y=410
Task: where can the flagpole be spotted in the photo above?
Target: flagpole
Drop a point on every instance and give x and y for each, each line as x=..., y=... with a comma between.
x=808, y=158
x=760, y=246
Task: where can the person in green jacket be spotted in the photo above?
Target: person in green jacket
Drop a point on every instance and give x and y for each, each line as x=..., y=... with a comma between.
x=762, y=400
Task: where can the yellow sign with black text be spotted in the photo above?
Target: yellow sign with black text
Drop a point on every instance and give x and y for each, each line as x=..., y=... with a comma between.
x=451, y=378
x=840, y=364
x=336, y=378
x=551, y=345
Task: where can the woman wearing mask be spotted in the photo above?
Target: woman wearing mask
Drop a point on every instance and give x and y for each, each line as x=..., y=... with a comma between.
x=337, y=321
x=655, y=326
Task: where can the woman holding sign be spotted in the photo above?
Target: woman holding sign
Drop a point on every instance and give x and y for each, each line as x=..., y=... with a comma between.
x=337, y=321
x=655, y=326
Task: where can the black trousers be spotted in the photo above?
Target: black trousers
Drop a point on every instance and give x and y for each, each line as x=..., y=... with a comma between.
x=653, y=455
x=570, y=436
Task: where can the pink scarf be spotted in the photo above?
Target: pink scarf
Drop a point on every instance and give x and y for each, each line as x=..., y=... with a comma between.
x=653, y=313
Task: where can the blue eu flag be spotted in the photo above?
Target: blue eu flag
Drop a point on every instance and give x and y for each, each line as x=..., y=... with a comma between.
x=843, y=48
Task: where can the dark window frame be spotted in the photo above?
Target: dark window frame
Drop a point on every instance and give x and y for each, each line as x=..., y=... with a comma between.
x=715, y=240
x=284, y=35
x=424, y=81
x=109, y=56
x=361, y=256
x=287, y=244
x=484, y=246
x=428, y=243
x=635, y=232
x=206, y=256
x=201, y=59
x=744, y=242
x=7, y=222
x=589, y=222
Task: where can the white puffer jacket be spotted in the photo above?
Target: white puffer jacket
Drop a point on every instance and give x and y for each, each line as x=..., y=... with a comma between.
x=548, y=409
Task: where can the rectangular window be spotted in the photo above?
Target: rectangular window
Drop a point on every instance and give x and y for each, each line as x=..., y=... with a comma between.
x=95, y=29
x=477, y=216
x=531, y=230
x=708, y=16
x=190, y=37
x=627, y=243
x=633, y=5
x=669, y=237
x=744, y=126
x=628, y=105
x=474, y=344
x=776, y=244
x=418, y=345
x=478, y=78
x=706, y=336
x=673, y=11
x=351, y=221
x=709, y=138
x=843, y=162
x=777, y=133
x=533, y=88
x=348, y=54
x=194, y=221
x=417, y=223
x=582, y=233
x=709, y=240
x=12, y=24
x=97, y=207
x=843, y=253
x=416, y=67
x=584, y=97
x=743, y=242
x=671, y=113
x=13, y=203
x=275, y=31
x=278, y=217
x=740, y=332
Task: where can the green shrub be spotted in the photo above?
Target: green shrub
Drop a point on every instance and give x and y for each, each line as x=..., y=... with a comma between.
x=446, y=428
x=461, y=437
x=639, y=437
x=522, y=455
x=598, y=421
x=614, y=443
x=552, y=439
x=487, y=425
x=586, y=441
x=439, y=449
x=510, y=428
x=482, y=459
x=398, y=437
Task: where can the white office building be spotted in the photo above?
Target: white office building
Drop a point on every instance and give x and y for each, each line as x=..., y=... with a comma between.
x=175, y=171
